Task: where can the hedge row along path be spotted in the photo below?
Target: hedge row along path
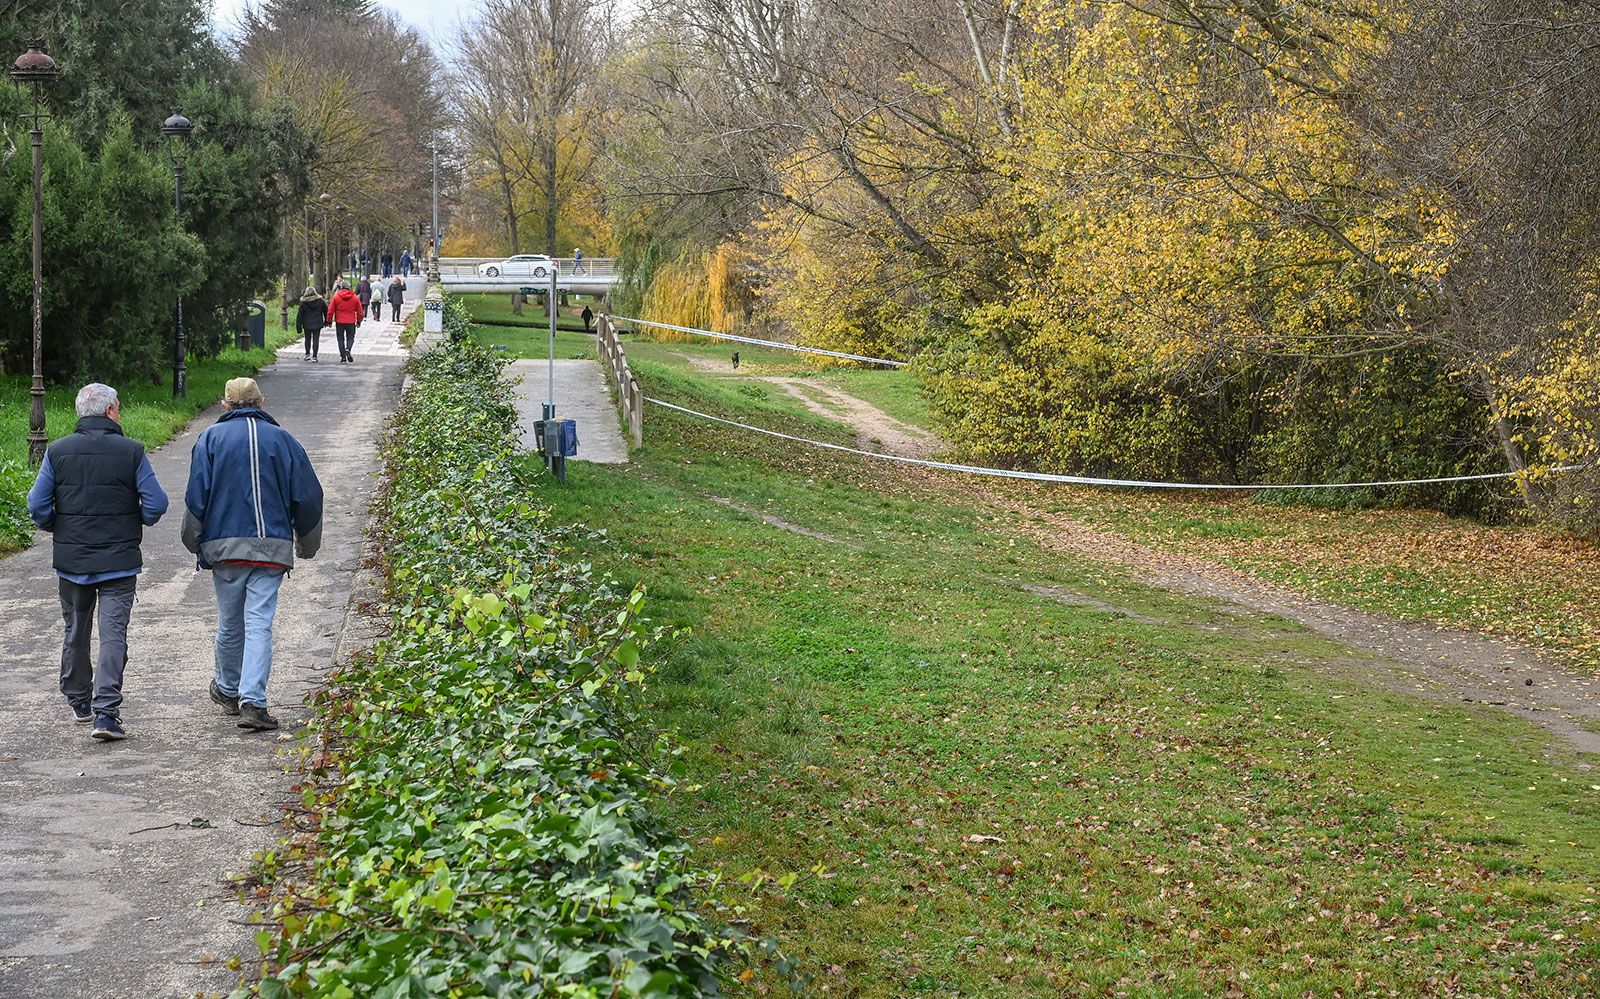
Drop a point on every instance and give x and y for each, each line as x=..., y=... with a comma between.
x=100, y=866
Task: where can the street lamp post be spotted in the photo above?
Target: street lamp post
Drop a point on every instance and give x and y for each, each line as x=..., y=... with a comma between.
x=326, y=276
x=433, y=263
x=339, y=213
x=176, y=129
x=35, y=68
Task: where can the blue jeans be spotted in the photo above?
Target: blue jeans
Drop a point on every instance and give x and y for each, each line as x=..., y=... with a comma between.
x=247, y=599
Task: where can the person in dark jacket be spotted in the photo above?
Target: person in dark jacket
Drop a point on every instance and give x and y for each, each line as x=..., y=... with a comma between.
x=588, y=319
x=405, y=263
x=388, y=263
x=345, y=313
x=397, y=297
x=252, y=505
x=313, y=315
x=364, y=293
x=96, y=493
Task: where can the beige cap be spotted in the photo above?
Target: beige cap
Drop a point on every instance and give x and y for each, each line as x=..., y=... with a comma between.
x=242, y=392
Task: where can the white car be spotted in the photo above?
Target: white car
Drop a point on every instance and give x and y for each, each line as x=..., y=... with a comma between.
x=522, y=265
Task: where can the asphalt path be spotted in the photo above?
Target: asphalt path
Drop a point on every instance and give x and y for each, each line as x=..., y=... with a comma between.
x=113, y=857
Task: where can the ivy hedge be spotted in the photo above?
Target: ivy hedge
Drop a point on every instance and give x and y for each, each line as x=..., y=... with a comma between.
x=474, y=818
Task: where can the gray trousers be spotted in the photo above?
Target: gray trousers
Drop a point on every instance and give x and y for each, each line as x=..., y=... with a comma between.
x=79, y=680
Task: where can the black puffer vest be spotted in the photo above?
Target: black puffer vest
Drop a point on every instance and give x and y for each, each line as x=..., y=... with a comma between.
x=98, y=526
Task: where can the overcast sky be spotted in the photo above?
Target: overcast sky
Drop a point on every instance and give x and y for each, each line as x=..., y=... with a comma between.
x=435, y=18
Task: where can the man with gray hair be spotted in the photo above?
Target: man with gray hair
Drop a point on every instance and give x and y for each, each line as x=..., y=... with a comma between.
x=96, y=493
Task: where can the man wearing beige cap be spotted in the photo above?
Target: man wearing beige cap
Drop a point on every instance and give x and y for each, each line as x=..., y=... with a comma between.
x=252, y=505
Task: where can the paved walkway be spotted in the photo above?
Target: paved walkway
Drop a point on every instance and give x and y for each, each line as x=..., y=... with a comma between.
x=582, y=395
x=373, y=339
x=100, y=895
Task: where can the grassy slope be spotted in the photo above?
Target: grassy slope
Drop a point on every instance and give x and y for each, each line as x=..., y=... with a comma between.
x=1173, y=799
x=1525, y=582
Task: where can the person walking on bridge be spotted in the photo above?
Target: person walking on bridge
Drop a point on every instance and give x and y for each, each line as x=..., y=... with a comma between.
x=252, y=506
x=95, y=494
x=345, y=313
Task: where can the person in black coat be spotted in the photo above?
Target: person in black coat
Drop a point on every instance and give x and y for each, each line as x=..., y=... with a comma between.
x=313, y=315
x=397, y=295
x=388, y=263
x=96, y=493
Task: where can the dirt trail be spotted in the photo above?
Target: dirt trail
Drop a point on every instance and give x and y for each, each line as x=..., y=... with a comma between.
x=875, y=429
x=1434, y=661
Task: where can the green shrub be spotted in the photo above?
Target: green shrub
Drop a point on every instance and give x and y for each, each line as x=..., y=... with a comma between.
x=481, y=824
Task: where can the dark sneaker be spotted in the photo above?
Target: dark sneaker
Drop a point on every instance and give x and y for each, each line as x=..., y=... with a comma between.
x=108, y=729
x=229, y=704
x=82, y=713
x=255, y=718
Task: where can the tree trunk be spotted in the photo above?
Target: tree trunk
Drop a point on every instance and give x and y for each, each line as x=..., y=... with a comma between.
x=1516, y=459
x=550, y=205
x=510, y=195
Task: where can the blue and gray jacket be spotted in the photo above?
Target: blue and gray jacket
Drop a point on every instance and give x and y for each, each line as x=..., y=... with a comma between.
x=253, y=496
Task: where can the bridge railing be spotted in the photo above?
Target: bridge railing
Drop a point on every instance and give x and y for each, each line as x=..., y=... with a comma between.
x=467, y=267
x=629, y=394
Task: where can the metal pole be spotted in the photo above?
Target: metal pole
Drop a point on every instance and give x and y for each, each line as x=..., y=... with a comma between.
x=180, y=370
x=550, y=407
x=436, y=198
x=36, y=435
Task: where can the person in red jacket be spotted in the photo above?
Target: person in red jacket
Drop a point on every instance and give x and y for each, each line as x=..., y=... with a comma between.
x=345, y=313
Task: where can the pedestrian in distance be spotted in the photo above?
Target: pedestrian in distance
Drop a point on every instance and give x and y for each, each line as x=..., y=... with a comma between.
x=308, y=322
x=95, y=494
x=388, y=264
x=736, y=360
x=588, y=319
x=252, y=506
x=364, y=292
x=345, y=313
x=405, y=263
x=397, y=297
x=577, y=261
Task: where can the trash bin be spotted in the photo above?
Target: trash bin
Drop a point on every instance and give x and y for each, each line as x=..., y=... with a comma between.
x=569, y=438
x=255, y=324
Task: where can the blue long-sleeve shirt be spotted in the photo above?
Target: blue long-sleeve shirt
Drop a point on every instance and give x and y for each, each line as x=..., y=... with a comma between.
x=42, y=508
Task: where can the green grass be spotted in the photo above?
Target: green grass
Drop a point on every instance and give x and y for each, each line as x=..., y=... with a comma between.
x=536, y=343
x=496, y=310
x=1121, y=791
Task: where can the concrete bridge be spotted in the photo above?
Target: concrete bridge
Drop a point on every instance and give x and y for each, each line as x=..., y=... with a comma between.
x=590, y=277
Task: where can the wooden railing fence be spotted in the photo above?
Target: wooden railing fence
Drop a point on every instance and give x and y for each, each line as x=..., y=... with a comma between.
x=629, y=393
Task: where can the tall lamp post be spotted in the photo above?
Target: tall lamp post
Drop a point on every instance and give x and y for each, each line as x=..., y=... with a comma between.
x=176, y=130
x=35, y=68
x=433, y=262
x=344, y=258
x=325, y=278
